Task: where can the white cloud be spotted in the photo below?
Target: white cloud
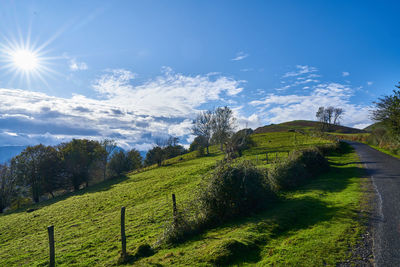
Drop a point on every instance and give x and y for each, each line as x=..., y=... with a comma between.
x=240, y=56
x=132, y=115
x=301, y=76
x=74, y=65
x=280, y=108
x=171, y=95
x=300, y=70
x=370, y=83
x=345, y=73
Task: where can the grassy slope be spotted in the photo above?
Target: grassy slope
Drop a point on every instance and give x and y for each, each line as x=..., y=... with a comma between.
x=303, y=125
x=349, y=137
x=313, y=225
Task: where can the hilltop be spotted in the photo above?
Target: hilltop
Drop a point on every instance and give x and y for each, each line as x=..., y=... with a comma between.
x=374, y=126
x=304, y=125
x=312, y=225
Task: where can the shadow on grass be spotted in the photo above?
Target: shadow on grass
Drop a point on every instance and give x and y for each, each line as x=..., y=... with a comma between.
x=282, y=217
x=102, y=186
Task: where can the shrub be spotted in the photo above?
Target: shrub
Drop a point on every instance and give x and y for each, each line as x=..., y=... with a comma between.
x=144, y=250
x=233, y=191
x=298, y=167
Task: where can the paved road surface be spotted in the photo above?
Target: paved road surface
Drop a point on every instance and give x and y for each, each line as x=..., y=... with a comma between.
x=385, y=175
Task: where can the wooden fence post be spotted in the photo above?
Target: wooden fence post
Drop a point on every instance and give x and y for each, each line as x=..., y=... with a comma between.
x=266, y=157
x=174, y=209
x=123, y=236
x=50, y=230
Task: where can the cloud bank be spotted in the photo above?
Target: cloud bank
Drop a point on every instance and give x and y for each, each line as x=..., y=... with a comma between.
x=132, y=115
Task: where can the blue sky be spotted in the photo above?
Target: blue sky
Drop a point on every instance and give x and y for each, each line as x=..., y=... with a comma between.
x=138, y=70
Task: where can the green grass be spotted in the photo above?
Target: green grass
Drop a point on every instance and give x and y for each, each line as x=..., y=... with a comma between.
x=355, y=137
x=311, y=226
x=305, y=126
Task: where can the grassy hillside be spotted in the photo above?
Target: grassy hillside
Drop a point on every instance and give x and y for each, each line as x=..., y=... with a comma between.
x=374, y=126
x=311, y=226
x=303, y=125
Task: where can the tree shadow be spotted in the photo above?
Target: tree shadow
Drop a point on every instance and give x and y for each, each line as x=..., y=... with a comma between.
x=99, y=187
x=282, y=217
x=286, y=215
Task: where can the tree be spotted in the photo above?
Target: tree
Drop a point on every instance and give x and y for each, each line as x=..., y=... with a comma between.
x=121, y=162
x=337, y=114
x=134, y=159
x=7, y=186
x=329, y=116
x=38, y=167
x=223, y=124
x=50, y=170
x=118, y=164
x=154, y=155
x=79, y=156
x=107, y=147
x=387, y=110
x=321, y=116
x=202, y=127
x=199, y=143
x=241, y=140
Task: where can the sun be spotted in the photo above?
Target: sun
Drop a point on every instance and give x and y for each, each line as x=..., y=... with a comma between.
x=25, y=60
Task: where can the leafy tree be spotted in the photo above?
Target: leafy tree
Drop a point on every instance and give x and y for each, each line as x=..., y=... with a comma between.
x=107, y=147
x=199, y=143
x=203, y=126
x=387, y=110
x=50, y=169
x=121, y=162
x=79, y=155
x=154, y=155
x=240, y=141
x=173, y=149
x=118, y=164
x=223, y=125
x=7, y=186
x=38, y=167
x=134, y=159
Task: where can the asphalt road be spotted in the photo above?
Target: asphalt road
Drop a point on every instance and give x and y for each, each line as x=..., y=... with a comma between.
x=384, y=171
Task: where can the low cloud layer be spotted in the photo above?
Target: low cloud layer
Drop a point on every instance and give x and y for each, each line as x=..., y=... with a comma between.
x=132, y=115
x=135, y=115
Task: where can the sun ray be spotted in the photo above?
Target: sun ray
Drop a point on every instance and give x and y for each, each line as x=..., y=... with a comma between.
x=25, y=59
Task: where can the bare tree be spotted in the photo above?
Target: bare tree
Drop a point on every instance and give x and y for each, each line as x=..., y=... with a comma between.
x=203, y=125
x=223, y=125
x=337, y=114
x=322, y=118
x=329, y=116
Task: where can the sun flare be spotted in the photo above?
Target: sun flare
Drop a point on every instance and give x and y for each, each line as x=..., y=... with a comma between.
x=25, y=60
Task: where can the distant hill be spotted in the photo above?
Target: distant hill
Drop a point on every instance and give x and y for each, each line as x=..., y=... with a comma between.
x=374, y=126
x=303, y=125
x=7, y=152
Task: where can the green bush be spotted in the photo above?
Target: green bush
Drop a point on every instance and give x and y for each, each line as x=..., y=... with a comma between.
x=298, y=167
x=233, y=191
